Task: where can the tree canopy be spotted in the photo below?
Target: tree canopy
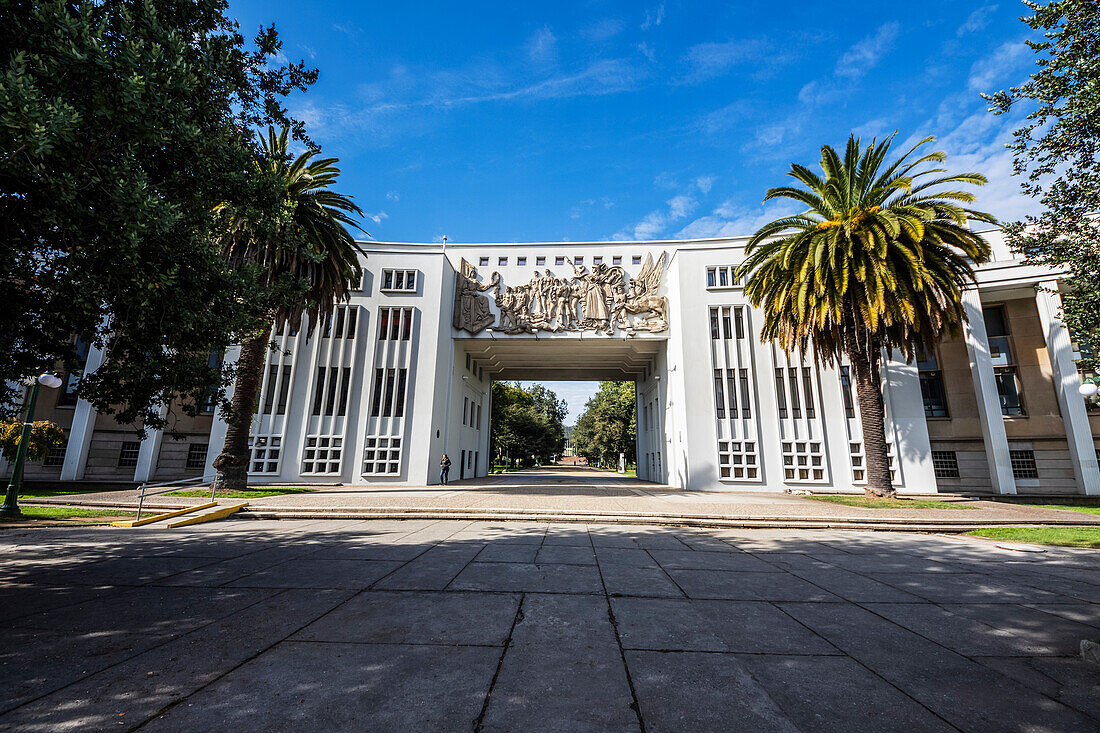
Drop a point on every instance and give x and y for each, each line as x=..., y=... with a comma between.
x=608, y=425
x=1056, y=153
x=527, y=422
x=123, y=123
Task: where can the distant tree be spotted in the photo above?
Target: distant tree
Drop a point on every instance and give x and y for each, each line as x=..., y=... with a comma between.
x=122, y=125
x=1056, y=152
x=526, y=422
x=608, y=425
x=878, y=261
x=292, y=240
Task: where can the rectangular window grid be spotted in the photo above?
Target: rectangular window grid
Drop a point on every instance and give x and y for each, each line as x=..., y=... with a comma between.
x=400, y=281
x=56, y=457
x=395, y=324
x=945, y=463
x=196, y=456
x=128, y=454
x=724, y=276
x=382, y=456
x=266, y=450
x=737, y=460
x=1023, y=464
x=859, y=471
x=322, y=454
x=803, y=461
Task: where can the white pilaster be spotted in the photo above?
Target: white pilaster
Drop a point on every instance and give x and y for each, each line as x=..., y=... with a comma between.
x=1066, y=381
x=149, y=452
x=907, y=428
x=219, y=426
x=989, y=402
x=80, y=434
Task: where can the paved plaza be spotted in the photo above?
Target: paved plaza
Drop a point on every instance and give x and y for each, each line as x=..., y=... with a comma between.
x=459, y=625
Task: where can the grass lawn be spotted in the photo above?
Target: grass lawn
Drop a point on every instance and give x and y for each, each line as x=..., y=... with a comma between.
x=1068, y=507
x=249, y=494
x=40, y=493
x=92, y=515
x=1062, y=536
x=863, y=501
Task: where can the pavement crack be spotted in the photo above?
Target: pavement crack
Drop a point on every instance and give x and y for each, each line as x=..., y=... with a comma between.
x=479, y=721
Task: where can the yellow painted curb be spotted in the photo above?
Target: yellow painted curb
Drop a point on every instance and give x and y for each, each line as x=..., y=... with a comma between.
x=167, y=515
x=221, y=513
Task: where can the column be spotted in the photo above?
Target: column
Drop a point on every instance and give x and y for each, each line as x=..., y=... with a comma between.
x=219, y=426
x=907, y=427
x=80, y=434
x=149, y=452
x=1066, y=381
x=989, y=401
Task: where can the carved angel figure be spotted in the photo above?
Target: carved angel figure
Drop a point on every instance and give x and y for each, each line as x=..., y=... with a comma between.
x=642, y=297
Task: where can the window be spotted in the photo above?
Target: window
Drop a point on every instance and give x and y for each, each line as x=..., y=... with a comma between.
x=1004, y=366
x=322, y=454
x=723, y=274
x=56, y=457
x=465, y=408
x=714, y=323
x=559, y=261
x=578, y=260
x=597, y=260
x=196, y=456
x=502, y=261
x=479, y=417
x=719, y=396
x=945, y=463
x=521, y=261
x=636, y=260
x=808, y=389
x=746, y=397
x=266, y=450
x=711, y=281
x=796, y=408
x=846, y=392
x=382, y=456
x=737, y=460
x=540, y=261
x=128, y=454
x=399, y=280
x=276, y=384
x=388, y=399
x=731, y=391
x=331, y=381
x=483, y=262
x=739, y=322
x=803, y=461
x=1023, y=464
x=395, y=324
x=72, y=378
x=781, y=393
x=931, y=385
x=468, y=362
x=209, y=398
x=617, y=260
x=727, y=325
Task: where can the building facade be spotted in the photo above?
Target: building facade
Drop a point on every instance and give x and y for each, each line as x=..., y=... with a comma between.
x=402, y=373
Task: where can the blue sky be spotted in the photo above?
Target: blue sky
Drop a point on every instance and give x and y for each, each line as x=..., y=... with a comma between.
x=609, y=120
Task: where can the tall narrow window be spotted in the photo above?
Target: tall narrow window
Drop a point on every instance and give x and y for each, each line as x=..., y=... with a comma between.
x=330, y=399
x=395, y=324
x=376, y=400
x=714, y=323
x=269, y=393
x=319, y=391
x=345, y=379
x=465, y=406
x=796, y=408
x=719, y=396
x=399, y=407
x=383, y=324
x=352, y=317
x=739, y=322
x=479, y=416
x=727, y=326
x=722, y=277
x=406, y=331
x=710, y=277
x=746, y=396
x=731, y=391
x=781, y=393
x=284, y=389
x=339, y=314
x=931, y=385
x=808, y=388
x=846, y=391
x=387, y=404
x=1004, y=365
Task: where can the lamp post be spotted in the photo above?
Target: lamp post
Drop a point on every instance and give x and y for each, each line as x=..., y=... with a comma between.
x=1090, y=386
x=11, y=503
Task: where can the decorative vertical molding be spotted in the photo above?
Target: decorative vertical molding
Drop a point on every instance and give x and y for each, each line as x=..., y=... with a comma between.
x=1066, y=381
x=149, y=452
x=218, y=426
x=985, y=389
x=80, y=434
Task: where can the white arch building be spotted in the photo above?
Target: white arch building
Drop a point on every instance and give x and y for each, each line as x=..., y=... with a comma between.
x=392, y=383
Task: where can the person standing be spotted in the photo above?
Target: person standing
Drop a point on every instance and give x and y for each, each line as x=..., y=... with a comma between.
x=444, y=469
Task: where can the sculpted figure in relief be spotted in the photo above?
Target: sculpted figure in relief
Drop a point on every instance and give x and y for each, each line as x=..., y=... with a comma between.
x=642, y=298
x=471, y=309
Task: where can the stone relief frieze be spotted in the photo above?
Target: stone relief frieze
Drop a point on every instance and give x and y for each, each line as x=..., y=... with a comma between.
x=602, y=299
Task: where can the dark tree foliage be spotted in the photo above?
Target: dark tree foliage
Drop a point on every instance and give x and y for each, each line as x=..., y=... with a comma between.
x=608, y=426
x=1057, y=151
x=526, y=423
x=122, y=125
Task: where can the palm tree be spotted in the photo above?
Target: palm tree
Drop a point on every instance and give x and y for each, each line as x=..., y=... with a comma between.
x=295, y=242
x=877, y=262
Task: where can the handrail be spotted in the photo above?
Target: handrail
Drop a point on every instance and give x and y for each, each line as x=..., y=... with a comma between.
x=143, y=489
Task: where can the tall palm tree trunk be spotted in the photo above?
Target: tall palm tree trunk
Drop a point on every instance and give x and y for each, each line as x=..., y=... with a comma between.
x=872, y=415
x=232, y=463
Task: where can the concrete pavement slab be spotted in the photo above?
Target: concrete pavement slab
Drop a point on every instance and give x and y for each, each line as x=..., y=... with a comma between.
x=310, y=572
x=434, y=569
x=529, y=577
x=738, y=586
x=628, y=580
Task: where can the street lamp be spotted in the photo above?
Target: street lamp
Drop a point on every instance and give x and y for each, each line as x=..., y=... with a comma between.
x=11, y=503
x=1090, y=385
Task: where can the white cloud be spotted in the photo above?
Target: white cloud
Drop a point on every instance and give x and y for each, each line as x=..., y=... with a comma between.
x=664, y=179
x=393, y=196
x=542, y=47
x=602, y=30
x=659, y=220
x=577, y=211
x=648, y=51
x=654, y=17
x=863, y=56
x=976, y=21
x=711, y=60
x=704, y=183
x=378, y=218
x=308, y=50
x=730, y=219
x=818, y=93
x=1006, y=60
